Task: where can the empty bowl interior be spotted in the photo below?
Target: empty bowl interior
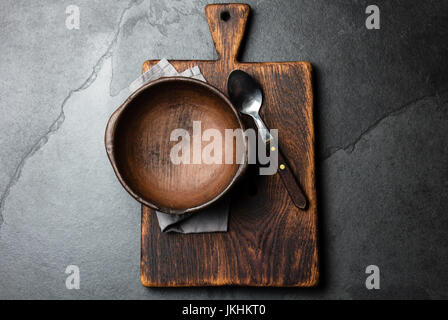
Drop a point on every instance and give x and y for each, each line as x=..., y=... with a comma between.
x=142, y=146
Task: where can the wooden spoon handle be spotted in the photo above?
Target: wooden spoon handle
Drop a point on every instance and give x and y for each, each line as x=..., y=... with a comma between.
x=290, y=182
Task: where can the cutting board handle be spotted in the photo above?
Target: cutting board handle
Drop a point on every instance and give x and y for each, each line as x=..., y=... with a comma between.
x=227, y=23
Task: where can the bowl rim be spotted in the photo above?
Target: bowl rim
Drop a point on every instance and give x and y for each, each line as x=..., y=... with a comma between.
x=115, y=119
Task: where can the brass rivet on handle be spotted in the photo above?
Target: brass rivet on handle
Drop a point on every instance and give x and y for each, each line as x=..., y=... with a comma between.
x=282, y=167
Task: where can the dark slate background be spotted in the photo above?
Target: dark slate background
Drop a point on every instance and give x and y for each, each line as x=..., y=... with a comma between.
x=381, y=113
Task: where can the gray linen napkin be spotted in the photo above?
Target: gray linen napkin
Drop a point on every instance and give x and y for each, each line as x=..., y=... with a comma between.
x=211, y=219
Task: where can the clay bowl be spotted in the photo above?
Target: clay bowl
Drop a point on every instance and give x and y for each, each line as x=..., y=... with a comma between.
x=138, y=144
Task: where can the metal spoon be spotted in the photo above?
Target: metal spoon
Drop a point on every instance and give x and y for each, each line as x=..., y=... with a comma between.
x=246, y=95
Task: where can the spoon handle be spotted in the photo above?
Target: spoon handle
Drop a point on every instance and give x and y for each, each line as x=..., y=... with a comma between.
x=262, y=129
x=290, y=182
x=284, y=170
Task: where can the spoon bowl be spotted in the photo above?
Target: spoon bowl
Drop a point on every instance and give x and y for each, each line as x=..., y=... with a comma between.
x=247, y=97
x=245, y=92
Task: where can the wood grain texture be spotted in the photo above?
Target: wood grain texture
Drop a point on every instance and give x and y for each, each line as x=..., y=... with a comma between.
x=270, y=241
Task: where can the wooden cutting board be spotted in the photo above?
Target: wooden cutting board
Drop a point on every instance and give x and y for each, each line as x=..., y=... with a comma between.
x=270, y=242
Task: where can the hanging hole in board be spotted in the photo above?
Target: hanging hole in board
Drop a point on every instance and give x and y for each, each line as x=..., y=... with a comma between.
x=225, y=16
